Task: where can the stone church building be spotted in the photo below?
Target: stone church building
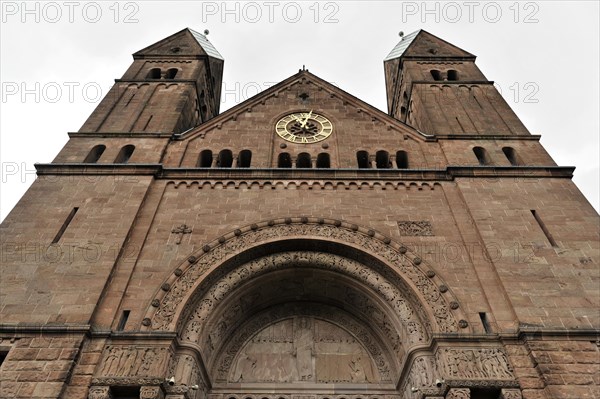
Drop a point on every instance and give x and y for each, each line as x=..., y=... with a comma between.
x=301, y=245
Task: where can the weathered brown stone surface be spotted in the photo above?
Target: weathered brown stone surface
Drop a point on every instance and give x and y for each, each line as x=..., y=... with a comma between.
x=432, y=281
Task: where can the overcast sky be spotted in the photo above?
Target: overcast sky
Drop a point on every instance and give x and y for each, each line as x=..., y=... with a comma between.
x=59, y=58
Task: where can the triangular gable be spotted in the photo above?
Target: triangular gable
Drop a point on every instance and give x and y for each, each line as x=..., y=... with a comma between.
x=186, y=42
x=273, y=91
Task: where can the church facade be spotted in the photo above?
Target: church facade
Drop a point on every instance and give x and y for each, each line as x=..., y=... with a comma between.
x=301, y=245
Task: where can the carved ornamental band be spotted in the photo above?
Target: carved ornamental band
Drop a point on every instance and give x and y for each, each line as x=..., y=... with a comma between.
x=421, y=228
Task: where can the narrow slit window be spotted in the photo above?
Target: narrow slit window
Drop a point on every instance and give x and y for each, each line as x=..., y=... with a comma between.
x=205, y=159
x=362, y=157
x=382, y=159
x=512, y=156
x=482, y=156
x=485, y=323
x=125, y=154
x=225, y=159
x=154, y=73
x=323, y=160
x=304, y=160
x=123, y=320
x=402, y=159
x=65, y=225
x=540, y=222
x=284, y=160
x=437, y=75
x=95, y=154
x=244, y=159
x=171, y=73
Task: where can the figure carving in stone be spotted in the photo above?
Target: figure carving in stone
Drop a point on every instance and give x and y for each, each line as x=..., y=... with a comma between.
x=148, y=361
x=111, y=361
x=246, y=368
x=129, y=360
x=357, y=371
x=303, y=349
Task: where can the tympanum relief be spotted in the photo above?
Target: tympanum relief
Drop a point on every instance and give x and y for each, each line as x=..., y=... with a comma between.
x=303, y=349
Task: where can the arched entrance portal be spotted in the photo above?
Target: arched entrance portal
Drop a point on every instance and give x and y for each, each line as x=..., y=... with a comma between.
x=282, y=309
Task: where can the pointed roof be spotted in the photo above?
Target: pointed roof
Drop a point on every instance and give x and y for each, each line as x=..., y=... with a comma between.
x=205, y=44
x=186, y=42
x=423, y=44
x=402, y=46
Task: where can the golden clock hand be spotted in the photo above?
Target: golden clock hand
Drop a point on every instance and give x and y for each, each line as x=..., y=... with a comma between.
x=306, y=120
x=297, y=119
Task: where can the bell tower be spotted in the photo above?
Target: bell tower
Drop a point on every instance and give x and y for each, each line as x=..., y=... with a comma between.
x=171, y=86
x=436, y=88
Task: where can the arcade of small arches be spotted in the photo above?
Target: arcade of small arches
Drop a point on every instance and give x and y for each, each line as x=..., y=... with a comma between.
x=381, y=160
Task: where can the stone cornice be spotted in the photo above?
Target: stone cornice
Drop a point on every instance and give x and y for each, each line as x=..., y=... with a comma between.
x=486, y=136
x=160, y=135
x=71, y=169
x=448, y=174
x=453, y=82
x=137, y=135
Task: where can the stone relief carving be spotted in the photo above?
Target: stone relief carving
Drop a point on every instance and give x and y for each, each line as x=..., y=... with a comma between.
x=423, y=372
x=126, y=381
x=480, y=363
x=459, y=393
x=151, y=392
x=132, y=361
x=180, y=231
x=186, y=371
x=303, y=349
x=214, y=254
x=99, y=393
x=422, y=376
x=280, y=395
x=511, y=394
x=288, y=346
x=211, y=336
x=420, y=228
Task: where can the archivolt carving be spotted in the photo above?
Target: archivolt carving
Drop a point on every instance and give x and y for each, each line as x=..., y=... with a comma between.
x=216, y=253
x=223, y=367
x=297, y=260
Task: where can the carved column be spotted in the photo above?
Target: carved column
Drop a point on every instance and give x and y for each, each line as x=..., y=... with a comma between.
x=507, y=393
x=459, y=393
x=151, y=392
x=97, y=392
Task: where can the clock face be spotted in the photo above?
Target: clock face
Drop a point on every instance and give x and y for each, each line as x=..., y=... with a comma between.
x=304, y=127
